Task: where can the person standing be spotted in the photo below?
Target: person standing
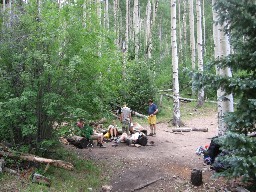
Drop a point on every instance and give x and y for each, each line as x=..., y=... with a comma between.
x=152, y=111
x=126, y=119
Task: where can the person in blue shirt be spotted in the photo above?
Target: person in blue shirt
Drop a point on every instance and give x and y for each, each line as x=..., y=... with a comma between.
x=152, y=111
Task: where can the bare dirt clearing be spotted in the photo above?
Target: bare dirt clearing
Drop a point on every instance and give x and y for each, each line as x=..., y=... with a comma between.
x=166, y=166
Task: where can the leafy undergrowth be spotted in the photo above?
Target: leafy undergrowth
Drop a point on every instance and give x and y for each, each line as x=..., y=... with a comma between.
x=85, y=175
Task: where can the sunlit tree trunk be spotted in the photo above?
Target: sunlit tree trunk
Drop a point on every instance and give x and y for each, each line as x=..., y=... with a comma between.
x=192, y=34
x=200, y=50
x=136, y=25
x=176, y=102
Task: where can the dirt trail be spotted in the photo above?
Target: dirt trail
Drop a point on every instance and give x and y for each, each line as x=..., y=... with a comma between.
x=166, y=166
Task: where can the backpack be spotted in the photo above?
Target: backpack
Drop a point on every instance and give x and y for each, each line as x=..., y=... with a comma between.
x=213, y=150
x=142, y=140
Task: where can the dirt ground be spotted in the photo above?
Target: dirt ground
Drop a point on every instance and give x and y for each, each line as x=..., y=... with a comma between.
x=166, y=166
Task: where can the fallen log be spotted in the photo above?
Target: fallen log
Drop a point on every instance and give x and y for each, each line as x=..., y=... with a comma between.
x=140, y=115
x=33, y=158
x=200, y=129
x=147, y=184
x=181, y=130
x=79, y=142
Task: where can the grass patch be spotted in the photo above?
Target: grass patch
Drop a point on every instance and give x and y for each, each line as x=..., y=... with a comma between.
x=85, y=175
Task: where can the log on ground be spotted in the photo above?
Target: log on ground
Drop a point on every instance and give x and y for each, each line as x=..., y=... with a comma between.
x=200, y=129
x=79, y=142
x=33, y=158
x=181, y=129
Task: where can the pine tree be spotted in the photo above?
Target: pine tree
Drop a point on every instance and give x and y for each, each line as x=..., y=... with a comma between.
x=238, y=18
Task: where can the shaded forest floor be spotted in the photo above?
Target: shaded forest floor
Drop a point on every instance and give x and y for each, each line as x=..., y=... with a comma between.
x=166, y=166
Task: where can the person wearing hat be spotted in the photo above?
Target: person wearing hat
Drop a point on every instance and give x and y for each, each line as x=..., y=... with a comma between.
x=126, y=118
x=152, y=111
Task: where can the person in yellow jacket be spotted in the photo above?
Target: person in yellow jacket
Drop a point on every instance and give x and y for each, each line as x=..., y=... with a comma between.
x=152, y=111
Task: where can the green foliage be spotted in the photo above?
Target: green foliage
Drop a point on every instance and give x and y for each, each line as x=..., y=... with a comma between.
x=241, y=159
x=53, y=68
x=138, y=86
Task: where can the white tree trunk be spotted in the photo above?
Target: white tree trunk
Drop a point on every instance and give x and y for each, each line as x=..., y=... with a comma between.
x=204, y=33
x=180, y=44
x=127, y=20
x=200, y=49
x=176, y=102
x=4, y=5
x=116, y=21
x=106, y=15
x=184, y=22
x=222, y=49
x=192, y=34
x=148, y=30
x=136, y=25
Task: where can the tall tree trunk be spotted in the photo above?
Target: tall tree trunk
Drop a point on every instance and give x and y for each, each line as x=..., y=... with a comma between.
x=116, y=22
x=4, y=5
x=98, y=7
x=127, y=20
x=184, y=26
x=136, y=26
x=148, y=30
x=180, y=44
x=192, y=33
x=106, y=15
x=221, y=49
x=176, y=102
x=204, y=33
x=200, y=50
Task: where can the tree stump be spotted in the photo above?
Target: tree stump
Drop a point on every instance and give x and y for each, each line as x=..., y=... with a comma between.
x=196, y=177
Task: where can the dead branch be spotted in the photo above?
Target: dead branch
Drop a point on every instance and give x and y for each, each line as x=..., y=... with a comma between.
x=147, y=184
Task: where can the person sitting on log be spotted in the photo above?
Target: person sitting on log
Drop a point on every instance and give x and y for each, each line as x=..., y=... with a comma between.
x=94, y=135
x=112, y=131
x=90, y=133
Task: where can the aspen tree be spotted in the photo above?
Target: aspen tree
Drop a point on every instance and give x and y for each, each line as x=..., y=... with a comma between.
x=176, y=102
x=106, y=15
x=221, y=49
x=192, y=34
x=116, y=21
x=148, y=30
x=200, y=50
x=127, y=20
x=136, y=25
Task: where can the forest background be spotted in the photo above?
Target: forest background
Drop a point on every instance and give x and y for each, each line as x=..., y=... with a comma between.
x=63, y=60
